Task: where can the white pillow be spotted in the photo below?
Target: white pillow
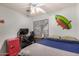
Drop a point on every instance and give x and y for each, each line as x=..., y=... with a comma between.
x=55, y=36
x=69, y=38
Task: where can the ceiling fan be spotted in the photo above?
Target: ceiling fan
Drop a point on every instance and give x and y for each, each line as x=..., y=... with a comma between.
x=34, y=8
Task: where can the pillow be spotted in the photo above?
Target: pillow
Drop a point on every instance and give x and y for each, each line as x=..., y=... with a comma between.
x=69, y=38
x=55, y=36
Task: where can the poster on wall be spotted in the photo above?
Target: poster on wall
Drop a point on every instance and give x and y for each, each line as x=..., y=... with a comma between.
x=41, y=28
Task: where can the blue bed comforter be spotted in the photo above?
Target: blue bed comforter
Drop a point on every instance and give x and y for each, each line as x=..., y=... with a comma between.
x=64, y=45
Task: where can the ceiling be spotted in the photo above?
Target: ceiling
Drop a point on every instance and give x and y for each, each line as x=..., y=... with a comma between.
x=48, y=7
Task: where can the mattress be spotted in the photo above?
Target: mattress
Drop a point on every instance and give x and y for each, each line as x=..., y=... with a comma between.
x=37, y=49
x=70, y=46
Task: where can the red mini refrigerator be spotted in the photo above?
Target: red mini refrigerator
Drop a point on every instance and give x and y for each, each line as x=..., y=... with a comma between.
x=13, y=46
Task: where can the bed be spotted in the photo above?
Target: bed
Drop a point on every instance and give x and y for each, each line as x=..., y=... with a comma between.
x=51, y=47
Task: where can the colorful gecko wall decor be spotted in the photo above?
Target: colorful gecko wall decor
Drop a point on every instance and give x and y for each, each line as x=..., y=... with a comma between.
x=63, y=22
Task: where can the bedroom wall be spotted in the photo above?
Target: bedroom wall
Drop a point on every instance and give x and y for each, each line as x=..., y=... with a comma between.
x=78, y=19
x=13, y=22
x=71, y=13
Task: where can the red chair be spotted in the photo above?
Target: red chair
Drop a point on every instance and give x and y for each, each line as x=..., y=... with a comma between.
x=13, y=47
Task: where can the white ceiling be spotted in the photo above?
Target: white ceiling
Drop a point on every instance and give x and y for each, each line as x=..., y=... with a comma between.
x=48, y=7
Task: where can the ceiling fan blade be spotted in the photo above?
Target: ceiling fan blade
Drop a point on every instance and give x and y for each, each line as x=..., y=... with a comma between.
x=35, y=9
x=32, y=10
x=40, y=4
x=40, y=10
